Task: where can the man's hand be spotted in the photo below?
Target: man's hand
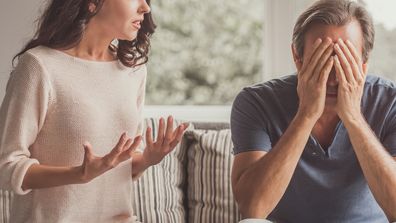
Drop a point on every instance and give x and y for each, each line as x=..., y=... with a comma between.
x=351, y=76
x=167, y=140
x=312, y=79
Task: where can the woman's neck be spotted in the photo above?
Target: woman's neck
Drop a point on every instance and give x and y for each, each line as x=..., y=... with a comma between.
x=94, y=45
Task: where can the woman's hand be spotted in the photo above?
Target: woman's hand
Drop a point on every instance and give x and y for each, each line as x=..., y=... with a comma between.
x=167, y=140
x=94, y=166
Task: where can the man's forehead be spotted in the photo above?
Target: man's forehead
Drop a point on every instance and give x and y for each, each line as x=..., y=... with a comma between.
x=350, y=31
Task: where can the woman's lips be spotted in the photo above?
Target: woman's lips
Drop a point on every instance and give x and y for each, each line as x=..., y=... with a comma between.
x=137, y=24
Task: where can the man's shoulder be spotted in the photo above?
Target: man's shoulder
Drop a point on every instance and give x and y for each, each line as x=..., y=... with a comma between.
x=379, y=88
x=379, y=82
x=279, y=86
x=271, y=96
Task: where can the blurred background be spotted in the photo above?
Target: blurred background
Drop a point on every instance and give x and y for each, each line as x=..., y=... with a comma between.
x=204, y=52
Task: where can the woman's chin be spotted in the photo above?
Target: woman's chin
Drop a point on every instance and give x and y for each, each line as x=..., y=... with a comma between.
x=129, y=37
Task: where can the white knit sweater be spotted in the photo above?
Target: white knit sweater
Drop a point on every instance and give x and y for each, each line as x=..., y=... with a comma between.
x=53, y=104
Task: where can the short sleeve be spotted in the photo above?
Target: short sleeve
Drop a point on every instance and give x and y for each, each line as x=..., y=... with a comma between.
x=248, y=124
x=22, y=115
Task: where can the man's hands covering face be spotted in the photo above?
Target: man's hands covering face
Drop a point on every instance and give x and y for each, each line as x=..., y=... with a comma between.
x=312, y=79
x=351, y=77
x=314, y=72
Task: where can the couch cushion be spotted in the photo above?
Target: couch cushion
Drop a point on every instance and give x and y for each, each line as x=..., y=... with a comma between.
x=5, y=203
x=210, y=197
x=159, y=192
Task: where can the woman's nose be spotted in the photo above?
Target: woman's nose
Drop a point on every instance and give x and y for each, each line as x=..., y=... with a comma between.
x=144, y=8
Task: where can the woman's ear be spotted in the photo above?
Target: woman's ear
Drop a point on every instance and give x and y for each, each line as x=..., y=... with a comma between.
x=91, y=7
x=296, y=59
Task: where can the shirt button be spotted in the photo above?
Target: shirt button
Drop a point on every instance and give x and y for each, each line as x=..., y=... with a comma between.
x=314, y=153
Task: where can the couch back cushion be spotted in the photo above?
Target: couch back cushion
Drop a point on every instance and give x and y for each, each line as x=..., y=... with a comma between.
x=159, y=192
x=210, y=159
x=5, y=203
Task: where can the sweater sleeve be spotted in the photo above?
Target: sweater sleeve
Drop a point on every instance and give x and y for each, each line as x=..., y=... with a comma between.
x=22, y=115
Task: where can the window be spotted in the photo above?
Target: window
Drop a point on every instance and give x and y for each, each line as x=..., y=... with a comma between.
x=204, y=51
x=382, y=59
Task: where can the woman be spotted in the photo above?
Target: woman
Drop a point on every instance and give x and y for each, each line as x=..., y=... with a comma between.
x=70, y=97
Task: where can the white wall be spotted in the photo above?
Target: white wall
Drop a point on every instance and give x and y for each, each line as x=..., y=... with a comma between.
x=17, y=27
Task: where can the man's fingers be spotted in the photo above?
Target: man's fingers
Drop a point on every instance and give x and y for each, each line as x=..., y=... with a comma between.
x=316, y=45
x=324, y=74
x=169, y=131
x=354, y=52
x=358, y=61
x=316, y=56
x=352, y=62
x=339, y=72
x=344, y=64
x=322, y=62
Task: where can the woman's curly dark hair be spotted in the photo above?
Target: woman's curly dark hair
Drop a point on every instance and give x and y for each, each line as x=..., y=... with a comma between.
x=64, y=21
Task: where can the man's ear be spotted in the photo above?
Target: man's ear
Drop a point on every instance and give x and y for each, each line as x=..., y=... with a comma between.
x=365, y=68
x=296, y=59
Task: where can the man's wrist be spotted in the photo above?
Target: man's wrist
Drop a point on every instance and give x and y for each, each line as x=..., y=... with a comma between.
x=304, y=119
x=356, y=120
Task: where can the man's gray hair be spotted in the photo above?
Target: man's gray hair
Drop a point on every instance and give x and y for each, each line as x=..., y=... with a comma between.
x=334, y=12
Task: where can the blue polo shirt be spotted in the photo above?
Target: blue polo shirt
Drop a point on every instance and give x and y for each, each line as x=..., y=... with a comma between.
x=327, y=185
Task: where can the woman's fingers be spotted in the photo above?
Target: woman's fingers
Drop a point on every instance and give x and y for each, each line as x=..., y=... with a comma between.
x=120, y=145
x=111, y=158
x=88, y=154
x=127, y=144
x=179, y=134
x=130, y=150
x=149, y=137
x=177, y=139
x=161, y=129
x=169, y=131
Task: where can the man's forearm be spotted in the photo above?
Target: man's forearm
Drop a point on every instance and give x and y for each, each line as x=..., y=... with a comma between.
x=272, y=173
x=378, y=165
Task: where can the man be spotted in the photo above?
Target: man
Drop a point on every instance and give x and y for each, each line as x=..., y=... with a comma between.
x=319, y=146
